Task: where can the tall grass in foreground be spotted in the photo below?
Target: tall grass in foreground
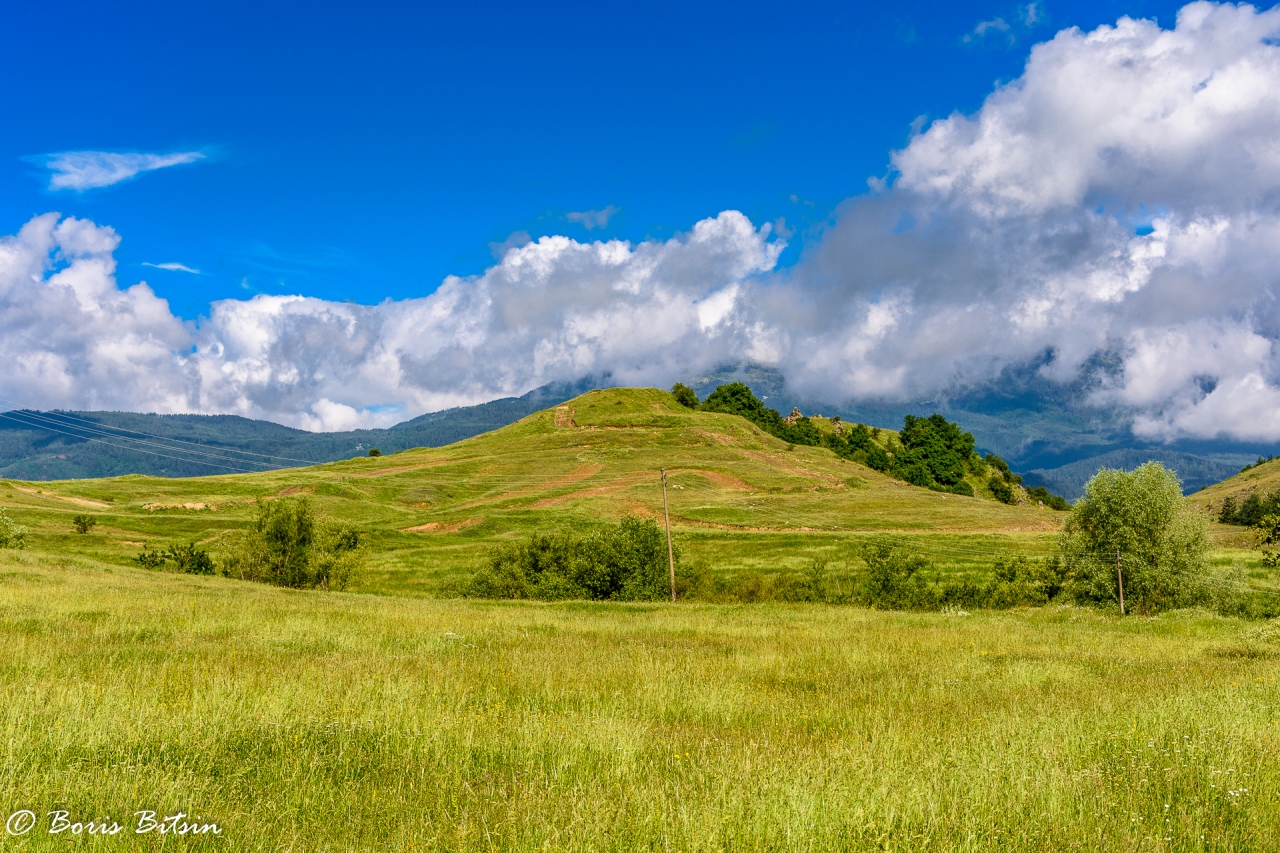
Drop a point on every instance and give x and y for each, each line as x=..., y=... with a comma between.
x=309, y=721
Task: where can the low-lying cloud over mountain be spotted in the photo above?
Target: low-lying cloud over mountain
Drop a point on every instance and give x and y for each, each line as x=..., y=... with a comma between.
x=1121, y=199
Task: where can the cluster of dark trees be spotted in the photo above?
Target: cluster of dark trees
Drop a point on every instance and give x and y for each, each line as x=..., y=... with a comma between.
x=857, y=443
x=1261, y=461
x=931, y=452
x=935, y=454
x=1250, y=511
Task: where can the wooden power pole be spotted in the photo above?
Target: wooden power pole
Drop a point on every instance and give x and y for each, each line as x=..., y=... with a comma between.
x=1120, y=581
x=671, y=555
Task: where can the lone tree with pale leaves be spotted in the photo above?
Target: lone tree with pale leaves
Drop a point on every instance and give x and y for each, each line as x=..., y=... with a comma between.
x=1141, y=519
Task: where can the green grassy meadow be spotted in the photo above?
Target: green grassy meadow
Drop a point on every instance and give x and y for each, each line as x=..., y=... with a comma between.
x=391, y=718
x=338, y=721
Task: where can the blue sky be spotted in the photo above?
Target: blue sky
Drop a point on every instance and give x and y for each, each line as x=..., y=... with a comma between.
x=366, y=152
x=1087, y=194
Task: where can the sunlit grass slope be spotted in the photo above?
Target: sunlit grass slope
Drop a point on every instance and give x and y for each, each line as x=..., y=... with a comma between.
x=740, y=499
x=1264, y=478
x=337, y=722
x=1234, y=543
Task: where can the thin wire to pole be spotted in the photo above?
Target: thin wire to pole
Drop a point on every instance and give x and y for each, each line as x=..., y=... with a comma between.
x=1120, y=581
x=671, y=555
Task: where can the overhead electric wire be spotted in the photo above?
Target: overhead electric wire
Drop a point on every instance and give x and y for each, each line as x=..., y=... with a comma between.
x=140, y=450
x=16, y=415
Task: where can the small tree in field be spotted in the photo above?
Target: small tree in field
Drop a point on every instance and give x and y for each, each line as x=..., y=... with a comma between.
x=1142, y=516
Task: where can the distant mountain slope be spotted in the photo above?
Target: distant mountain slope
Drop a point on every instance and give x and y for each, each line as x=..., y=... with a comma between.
x=74, y=445
x=1196, y=472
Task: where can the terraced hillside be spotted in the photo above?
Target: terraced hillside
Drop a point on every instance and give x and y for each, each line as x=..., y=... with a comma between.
x=739, y=499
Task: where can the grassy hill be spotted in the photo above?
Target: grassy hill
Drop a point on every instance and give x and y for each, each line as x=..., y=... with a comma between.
x=740, y=500
x=1263, y=478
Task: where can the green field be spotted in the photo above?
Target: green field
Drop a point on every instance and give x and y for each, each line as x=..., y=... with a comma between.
x=310, y=721
x=387, y=719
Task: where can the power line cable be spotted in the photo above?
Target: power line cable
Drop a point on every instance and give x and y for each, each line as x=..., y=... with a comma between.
x=46, y=421
x=68, y=415
x=140, y=450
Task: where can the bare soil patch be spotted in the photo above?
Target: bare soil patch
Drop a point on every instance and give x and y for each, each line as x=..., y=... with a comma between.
x=57, y=497
x=444, y=526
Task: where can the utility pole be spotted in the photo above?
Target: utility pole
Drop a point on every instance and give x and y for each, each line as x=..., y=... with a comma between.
x=671, y=555
x=1120, y=581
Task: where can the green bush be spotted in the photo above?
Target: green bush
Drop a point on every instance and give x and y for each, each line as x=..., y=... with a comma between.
x=150, y=559
x=623, y=562
x=1017, y=581
x=685, y=395
x=190, y=560
x=84, y=523
x=289, y=546
x=1161, y=540
x=187, y=559
x=12, y=534
x=895, y=580
x=1001, y=490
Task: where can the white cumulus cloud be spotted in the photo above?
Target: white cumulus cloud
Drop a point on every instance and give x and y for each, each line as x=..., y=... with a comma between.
x=86, y=170
x=1121, y=197
x=554, y=309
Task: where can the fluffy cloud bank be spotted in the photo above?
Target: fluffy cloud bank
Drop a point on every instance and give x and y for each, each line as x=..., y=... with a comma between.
x=1121, y=198
x=554, y=309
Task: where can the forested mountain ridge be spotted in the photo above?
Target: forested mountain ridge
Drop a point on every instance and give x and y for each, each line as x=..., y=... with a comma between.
x=74, y=445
